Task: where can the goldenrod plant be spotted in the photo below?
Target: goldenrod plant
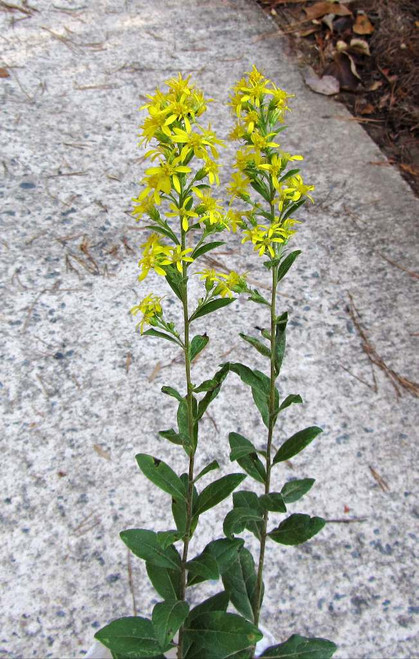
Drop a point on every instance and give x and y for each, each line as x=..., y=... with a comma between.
x=183, y=216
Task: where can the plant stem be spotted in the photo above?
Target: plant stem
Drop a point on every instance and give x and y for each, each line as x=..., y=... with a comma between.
x=259, y=583
x=189, y=394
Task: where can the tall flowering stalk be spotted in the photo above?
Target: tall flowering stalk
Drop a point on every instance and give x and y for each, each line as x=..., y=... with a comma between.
x=182, y=216
x=263, y=167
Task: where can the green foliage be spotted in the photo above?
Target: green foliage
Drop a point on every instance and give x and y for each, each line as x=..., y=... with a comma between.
x=294, y=490
x=297, y=529
x=296, y=443
x=183, y=195
x=132, y=637
x=299, y=647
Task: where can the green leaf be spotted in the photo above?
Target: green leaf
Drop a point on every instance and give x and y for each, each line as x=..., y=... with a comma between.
x=291, y=209
x=225, y=552
x=294, y=490
x=216, y=492
x=280, y=341
x=213, y=390
x=203, y=249
x=167, y=538
x=131, y=637
x=159, y=473
x=183, y=420
x=296, y=443
x=220, y=634
x=255, y=296
x=164, y=230
x=170, y=391
x=286, y=264
x=260, y=347
x=210, y=467
x=145, y=545
x=297, y=529
x=292, y=399
x=167, y=618
x=209, y=307
x=238, y=518
x=174, y=279
x=240, y=583
x=160, y=335
x=198, y=343
x=260, y=385
x=273, y=502
x=203, y=566
x=299, y=647
x=245, y=453
x=291, y=172
x=240, y=446
x=172, y=436
x=166, y=582
x=246, y=499
x=218, y=602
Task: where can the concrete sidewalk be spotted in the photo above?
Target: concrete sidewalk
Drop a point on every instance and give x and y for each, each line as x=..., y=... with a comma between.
x=81, y=389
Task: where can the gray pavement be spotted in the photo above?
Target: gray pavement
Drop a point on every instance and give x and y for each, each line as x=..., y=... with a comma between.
x=82, y=391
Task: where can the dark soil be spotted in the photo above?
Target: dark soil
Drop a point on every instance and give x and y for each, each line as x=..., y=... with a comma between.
x=371, y=47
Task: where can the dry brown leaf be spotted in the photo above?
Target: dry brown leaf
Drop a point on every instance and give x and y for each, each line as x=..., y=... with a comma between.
x=100, y=451
x=368, y=109
x=342, y=69
x=4, y=73
x=375, y=85
x=360, y=47
x=310, y=30
x=320, y=9
x=363, y=25
x=326, y=85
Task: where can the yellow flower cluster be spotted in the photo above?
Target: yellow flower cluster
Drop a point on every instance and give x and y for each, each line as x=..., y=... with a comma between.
x=151, y=309
x=172, y=122
x=225, y=285
x=263, y=237
x=156, y=255
x=260, y=107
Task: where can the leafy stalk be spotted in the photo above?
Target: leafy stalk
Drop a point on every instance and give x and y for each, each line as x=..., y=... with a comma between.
x=189, y=400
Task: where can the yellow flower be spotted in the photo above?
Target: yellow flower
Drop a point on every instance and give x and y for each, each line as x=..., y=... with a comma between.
x=264, y=238
x=154, y=255
x=262, y=141
x=157, y=121
x=193, y=142
x=183, y=212
x=238, y=132
x=177, y=256
x=208, y=208
x=251, y=119
x=238, y=185
x=234, y=219
x=298, y=189
x=151, y=309
x=180, y=85
x=143, y=206
x=211, y=170
x=165, y=176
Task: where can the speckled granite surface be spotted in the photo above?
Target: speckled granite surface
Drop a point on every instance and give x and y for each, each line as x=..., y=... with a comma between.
x=81, y=390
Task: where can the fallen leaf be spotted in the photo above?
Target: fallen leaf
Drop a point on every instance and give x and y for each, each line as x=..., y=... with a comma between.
x=100, y=451
x=4, y=73
x=346, y=509
x=342, y=68
x=360, y=47
x=320, y=9
x=327, y=85
x=375, y=85
x=368, y=109
x=363, y=25
x=310, y=30
x=328, y=19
